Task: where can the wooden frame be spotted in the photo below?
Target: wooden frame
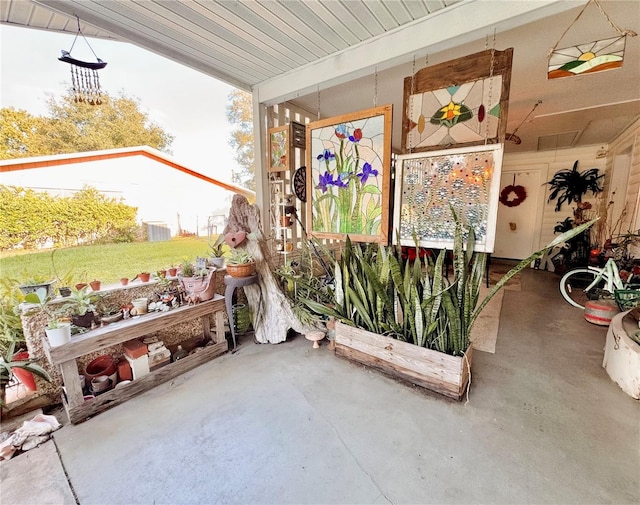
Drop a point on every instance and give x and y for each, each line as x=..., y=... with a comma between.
x=429, y=184
x=458, y=103
x=348, y=176
x=279, y=149
x=437, y=371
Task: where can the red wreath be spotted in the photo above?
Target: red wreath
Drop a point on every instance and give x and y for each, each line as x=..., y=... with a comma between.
x=521, y=195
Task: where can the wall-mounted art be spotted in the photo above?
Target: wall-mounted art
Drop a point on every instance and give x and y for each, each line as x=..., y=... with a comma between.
x=429, y=185
x=587, y=58
x=462, y=102
x=348, y=173
x=278, y=148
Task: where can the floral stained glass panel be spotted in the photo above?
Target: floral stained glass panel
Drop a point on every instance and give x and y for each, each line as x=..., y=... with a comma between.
x=430, y=186
x=349, y=160
x=278, y=149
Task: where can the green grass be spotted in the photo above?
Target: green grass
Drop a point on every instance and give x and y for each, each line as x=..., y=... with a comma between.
x=107, y=263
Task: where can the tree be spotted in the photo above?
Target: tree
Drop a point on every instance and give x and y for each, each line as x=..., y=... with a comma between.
x=240, y=115
x=72, y=127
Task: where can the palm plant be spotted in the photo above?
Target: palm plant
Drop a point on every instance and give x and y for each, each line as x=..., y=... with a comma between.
x=570, y=185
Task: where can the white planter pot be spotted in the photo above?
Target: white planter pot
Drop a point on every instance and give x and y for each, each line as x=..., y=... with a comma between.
x=59, y=336
x=217, y=262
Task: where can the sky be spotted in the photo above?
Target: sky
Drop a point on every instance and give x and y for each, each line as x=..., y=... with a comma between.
x=186, y=103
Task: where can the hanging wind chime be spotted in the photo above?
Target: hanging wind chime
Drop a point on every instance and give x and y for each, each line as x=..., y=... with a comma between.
x=85, y=81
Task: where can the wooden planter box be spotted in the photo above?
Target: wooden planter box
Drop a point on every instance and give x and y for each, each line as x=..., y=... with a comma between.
x=437, y=371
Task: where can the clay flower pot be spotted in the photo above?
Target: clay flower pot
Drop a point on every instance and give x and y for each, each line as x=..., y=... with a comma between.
x=95, y=285
x=173, y=272
x=81, y=285
x=25, y=377
x=162, y=273
x=124, y=281
x=144, y=276
x=241, y=270
x=102, y=365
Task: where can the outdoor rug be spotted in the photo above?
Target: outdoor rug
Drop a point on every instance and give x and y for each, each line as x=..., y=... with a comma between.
x=485, y=330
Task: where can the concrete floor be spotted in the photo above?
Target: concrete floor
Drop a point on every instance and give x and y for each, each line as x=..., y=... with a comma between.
x=289, y=424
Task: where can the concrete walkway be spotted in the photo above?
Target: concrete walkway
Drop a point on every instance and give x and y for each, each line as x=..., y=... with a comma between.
x=289, y=424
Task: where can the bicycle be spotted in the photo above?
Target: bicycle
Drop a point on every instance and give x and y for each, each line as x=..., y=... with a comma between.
x=588, y=283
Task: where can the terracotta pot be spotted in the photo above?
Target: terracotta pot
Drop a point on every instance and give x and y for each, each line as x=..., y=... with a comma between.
x=124, y=281
x=102, y=365
x=144, y=276
x=25, y=377
x=162, y=273
x=173, y=272
x=81, y=285
x=243, y=270
x=95, y=285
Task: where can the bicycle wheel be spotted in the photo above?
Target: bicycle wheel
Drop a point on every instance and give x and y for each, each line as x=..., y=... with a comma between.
x=573, y=284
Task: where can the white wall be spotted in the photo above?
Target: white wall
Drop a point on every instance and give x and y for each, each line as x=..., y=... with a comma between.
x=159, y=192
x=629, y=142
x=554, y=161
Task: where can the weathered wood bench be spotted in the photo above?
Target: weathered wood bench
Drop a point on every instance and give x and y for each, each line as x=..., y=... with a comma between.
x=116, y=333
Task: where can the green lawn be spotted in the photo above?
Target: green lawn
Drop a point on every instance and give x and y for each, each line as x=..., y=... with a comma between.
x=107, y=263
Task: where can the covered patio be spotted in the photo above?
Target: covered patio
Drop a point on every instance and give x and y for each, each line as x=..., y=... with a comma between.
x=287, y=423
x=291, y=424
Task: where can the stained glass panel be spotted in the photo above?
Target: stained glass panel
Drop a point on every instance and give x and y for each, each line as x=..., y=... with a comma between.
x=428, y=187
x=587, y=58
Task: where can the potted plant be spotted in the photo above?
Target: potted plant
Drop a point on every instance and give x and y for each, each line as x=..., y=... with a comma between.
x=217, y=252
x=8, y=366
x=81, y=305
x=198, y=284
x=35, y=283
x=58, y=329
x=64, y=281
x=570, y=185
x=240, y=263
x=407, y=318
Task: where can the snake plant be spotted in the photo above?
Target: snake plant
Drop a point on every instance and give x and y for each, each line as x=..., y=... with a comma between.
x=374, y=289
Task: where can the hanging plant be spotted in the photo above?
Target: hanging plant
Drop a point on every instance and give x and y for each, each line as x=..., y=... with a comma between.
x=570, y=185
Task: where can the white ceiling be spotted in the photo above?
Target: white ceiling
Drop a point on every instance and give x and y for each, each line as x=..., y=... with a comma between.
x=275, y=46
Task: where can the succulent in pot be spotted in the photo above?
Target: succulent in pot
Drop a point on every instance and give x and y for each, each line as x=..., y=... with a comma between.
x=217, y=252
x=81, y=305
x=240, y=263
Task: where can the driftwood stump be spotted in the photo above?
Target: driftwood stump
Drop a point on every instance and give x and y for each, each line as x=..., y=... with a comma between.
x=272, y=312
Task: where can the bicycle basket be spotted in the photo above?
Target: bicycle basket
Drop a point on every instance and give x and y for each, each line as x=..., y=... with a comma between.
x=627, y=299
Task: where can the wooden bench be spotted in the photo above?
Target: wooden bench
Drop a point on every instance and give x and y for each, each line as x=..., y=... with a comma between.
x=116, y=333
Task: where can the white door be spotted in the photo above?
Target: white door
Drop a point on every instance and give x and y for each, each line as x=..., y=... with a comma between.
x=518, y=226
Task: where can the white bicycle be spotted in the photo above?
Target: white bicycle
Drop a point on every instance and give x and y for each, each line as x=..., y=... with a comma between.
x=587, y=283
